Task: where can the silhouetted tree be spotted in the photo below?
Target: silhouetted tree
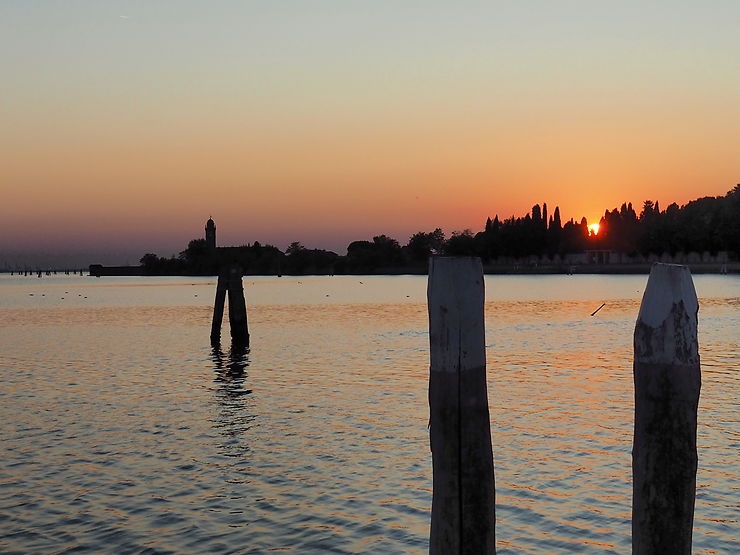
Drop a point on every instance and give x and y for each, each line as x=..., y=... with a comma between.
x=556, y=219
x=460, y=243
x=299, y=260
x=536, y=215
x=149, y=261
x=382, y=253
x=730, y=221
x=554, y=233
x=422, y=245
x=294, y=248
x=197, y=248
x=544, y=215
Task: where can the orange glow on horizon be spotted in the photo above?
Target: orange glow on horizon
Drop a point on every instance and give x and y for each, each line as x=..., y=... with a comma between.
x=131, y=146
x=593, y=228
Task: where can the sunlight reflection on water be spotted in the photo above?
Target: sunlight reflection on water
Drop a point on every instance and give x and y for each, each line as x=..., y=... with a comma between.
x=124, y=430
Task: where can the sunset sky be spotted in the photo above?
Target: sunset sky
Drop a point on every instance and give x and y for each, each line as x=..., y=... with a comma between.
x=125, y=125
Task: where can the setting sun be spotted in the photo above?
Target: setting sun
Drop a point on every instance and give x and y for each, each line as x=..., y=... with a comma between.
x=593, y=228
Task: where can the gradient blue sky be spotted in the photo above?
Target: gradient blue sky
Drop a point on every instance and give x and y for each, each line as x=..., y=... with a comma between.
x=124, y=125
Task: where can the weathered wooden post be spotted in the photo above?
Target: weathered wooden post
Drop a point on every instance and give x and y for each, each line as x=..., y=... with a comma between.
x=463, y=500
x=667, y=383
x=237, y=308
x=230, y=280
x=218, y=306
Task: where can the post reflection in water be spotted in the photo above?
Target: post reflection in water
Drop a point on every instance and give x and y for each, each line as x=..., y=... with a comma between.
x=231, y=367
x=235, y=414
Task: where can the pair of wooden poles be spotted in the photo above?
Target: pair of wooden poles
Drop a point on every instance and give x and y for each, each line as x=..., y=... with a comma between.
x=667, y=382
x=230, y=280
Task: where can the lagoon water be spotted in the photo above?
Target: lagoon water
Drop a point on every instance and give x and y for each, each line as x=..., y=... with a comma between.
x=123, y=431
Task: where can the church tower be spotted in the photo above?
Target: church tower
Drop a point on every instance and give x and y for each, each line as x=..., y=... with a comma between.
x=211, y=234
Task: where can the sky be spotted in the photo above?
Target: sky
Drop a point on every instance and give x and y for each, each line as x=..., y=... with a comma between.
x=124, y=125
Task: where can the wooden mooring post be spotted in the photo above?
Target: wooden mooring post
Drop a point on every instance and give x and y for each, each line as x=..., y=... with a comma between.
x=218, y=306
x=230, y=281
x=237, y=308
x=667, y=382
x=463, y=499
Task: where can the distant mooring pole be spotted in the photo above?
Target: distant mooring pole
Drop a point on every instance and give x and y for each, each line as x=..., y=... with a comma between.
x=463, y=499
x=230, y=280
x=667, y=383
x=237, y=308
x=218, y=306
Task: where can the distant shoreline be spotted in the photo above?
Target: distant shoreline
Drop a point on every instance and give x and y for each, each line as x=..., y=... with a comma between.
x=97, y=270
x=609, y=269
x=489, y=269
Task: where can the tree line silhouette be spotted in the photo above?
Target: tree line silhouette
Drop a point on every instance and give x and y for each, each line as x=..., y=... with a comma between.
x=709, y=224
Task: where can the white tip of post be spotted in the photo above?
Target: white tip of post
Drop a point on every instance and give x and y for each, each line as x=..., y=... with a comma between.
x=666, y=330
x=667, y=285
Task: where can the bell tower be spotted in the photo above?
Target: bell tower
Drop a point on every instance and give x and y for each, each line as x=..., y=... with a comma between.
x=211, y=234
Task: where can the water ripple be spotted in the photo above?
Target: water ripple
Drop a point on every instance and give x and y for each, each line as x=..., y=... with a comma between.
x=123, y=430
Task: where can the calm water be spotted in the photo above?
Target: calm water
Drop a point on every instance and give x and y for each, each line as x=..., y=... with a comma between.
x=122, y=430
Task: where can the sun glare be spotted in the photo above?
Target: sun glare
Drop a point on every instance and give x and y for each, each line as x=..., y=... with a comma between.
x=594, y=228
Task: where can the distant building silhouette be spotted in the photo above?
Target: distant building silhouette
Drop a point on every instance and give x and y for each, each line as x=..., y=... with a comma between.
x=211, y=234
